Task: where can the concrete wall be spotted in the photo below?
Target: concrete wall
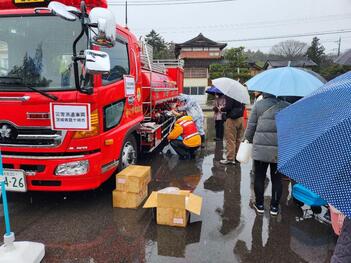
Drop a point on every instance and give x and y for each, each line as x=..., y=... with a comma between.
x=195, y=82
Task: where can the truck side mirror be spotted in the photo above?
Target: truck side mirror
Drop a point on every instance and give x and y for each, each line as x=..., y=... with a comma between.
x=105, y=33
x=97, y=62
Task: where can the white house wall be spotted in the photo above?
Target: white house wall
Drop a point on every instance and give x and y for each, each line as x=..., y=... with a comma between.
x=197, y=82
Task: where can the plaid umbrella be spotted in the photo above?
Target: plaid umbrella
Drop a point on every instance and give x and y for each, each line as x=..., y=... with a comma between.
x=314, y=142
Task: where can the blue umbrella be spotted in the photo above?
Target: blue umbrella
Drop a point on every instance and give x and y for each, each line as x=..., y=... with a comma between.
x=286, y=81
x=213, y=90
x=314, y=142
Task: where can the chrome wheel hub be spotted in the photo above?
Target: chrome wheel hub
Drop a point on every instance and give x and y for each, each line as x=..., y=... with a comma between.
x=128, y=155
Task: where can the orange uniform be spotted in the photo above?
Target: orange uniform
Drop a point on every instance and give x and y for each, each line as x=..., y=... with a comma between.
x=186, y=128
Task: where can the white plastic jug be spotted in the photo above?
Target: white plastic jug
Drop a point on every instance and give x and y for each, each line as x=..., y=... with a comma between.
x=244, y=152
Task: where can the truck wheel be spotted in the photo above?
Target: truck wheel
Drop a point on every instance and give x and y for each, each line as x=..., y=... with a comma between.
x=129, y=153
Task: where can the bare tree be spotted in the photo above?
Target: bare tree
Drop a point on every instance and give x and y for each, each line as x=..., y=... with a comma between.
x=290, y=49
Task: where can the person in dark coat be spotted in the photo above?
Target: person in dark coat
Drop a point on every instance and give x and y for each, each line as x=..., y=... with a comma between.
x=233, y=129
x=262, y=133
x=342, y=252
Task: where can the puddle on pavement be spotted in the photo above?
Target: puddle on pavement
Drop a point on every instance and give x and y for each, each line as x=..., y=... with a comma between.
x=83, y=227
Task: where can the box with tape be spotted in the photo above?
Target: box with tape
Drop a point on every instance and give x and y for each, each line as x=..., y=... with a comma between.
x=133, y=178
x=173, y=206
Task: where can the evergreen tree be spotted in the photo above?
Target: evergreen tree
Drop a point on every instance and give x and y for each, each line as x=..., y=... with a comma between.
x=316, y=51
x=162, y=49
x=235, y=57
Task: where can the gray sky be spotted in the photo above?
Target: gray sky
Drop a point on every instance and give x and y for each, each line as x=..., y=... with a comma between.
x=243, y=19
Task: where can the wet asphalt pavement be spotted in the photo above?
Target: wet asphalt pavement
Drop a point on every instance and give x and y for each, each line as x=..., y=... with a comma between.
x=83, y=227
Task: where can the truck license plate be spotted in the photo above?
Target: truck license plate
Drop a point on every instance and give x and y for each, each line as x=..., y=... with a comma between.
x=15, y=180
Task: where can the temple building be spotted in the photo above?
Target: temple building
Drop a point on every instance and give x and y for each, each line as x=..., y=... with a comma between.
x=198, y=54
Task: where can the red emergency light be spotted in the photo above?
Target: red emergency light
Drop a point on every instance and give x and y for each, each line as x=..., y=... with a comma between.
x=14, y=4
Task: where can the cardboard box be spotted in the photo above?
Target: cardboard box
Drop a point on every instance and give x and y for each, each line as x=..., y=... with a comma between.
x=173, y=208
x=128, y=200
x=133, y=179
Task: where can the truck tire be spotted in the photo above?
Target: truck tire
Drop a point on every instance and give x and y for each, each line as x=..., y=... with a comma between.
x=129, y=153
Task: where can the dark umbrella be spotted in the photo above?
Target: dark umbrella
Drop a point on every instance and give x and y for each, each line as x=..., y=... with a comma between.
x=344, y=59
x=213, y=90
x=314, y=142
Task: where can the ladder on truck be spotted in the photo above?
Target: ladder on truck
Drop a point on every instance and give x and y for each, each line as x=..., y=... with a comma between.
x=157, y=66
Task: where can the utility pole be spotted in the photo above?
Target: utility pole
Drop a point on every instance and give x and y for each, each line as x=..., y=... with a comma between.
x=339, y=46
x=126, y=15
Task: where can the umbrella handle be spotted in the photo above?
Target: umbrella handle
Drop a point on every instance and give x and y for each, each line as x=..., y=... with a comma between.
x=4, y=199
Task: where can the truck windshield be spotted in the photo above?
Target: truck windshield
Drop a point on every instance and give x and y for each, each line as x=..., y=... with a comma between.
x=36, y=51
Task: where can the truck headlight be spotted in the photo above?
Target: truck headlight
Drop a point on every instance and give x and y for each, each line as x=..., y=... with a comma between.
x=73, y=168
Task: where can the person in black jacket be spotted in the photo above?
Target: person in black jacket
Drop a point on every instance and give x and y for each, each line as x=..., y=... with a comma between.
x=234, y=128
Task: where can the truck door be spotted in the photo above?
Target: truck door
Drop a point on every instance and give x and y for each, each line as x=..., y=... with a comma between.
x=117, y=109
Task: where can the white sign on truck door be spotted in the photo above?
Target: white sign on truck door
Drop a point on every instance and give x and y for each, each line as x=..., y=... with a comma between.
x=129, y=83
x=70, y=116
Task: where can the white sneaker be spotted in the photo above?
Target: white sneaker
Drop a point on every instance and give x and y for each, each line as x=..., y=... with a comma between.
x=226, y=161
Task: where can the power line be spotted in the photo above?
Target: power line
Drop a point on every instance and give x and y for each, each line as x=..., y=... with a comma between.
x=237, y=27
x=256, y=24
x=254, y=46
x=171, y=2
x=341, y=31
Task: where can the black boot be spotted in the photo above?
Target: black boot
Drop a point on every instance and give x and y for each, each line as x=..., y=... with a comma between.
x=203, y=142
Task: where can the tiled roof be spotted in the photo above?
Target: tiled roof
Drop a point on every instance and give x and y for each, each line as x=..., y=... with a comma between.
x=199, y=41
x=293, y=63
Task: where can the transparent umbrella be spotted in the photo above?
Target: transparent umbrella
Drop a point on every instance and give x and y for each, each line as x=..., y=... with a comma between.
x=233, y=89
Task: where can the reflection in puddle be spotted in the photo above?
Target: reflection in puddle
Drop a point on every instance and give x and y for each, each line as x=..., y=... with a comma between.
x=172, y=241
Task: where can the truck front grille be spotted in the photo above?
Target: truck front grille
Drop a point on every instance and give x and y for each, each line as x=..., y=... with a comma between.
x=12, y=136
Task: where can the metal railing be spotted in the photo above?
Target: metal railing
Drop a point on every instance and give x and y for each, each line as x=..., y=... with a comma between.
x=170, y=63
x=157, y=66
x=196, y=73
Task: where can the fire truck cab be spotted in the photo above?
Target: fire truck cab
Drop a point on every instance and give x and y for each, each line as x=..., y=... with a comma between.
x=65, y=54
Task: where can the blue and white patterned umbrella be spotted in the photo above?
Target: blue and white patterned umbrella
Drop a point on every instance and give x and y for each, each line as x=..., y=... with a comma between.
x=314, y=142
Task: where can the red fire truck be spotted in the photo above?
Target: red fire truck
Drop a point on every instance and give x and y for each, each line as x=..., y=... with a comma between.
x=52, y=56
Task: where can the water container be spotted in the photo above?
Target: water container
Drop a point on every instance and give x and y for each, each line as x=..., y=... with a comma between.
x=244, y=152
